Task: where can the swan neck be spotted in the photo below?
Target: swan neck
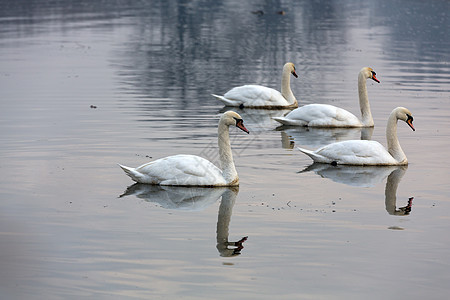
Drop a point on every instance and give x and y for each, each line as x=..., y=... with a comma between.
x=366, y=114
x=286, y=91
x=394, y=147
x=225, y=155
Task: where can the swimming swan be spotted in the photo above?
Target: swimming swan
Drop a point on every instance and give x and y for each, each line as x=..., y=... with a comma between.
x=258, y=96
x=362, y=152
x=192, y=170
x=324, y=115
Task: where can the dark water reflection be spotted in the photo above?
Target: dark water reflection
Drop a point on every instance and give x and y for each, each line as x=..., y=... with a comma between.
x=173, y=197
x=185, y=50
x=366, y=177
x=150, y=68
x=194, y=199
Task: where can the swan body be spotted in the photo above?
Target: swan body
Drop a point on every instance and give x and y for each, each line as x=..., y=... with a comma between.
x=320, y=115
x=355, y=152
x=192, y=170
x=324, y=115
x=177, y=170
x=258, y=96
x=363, y=152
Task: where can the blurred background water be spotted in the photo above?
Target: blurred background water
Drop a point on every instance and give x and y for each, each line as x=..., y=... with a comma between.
x=88, y=84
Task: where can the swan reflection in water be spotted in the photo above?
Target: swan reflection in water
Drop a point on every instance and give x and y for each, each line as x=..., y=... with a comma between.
x=367, y=176
x=195, y=199
x=318, y=137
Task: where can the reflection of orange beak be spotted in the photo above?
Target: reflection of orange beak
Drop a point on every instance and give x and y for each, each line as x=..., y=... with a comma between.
x=295, y=74
x=409, y=122
x=375, y=78
x=241, y=126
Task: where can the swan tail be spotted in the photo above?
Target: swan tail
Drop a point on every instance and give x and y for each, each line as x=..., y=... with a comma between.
x=279, y=119
x=225, y=101
x=282, y=120
x=311, y=154
x=131, y=172
x=290, y=122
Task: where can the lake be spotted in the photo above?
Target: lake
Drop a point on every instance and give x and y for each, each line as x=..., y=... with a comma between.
x=85, y=85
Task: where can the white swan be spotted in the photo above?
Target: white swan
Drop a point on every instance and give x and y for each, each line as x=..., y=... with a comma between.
x=359, y=152
x=258, y=96
x=324, y=115
x=192, y=170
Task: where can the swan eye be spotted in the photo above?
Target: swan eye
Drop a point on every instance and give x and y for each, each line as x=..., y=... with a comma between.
x=240, y=124
x=410, y=117
x=409, y=121
x=374, y=77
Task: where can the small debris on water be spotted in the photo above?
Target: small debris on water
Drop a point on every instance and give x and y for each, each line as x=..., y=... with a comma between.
x=396, y=228
x=259, y=13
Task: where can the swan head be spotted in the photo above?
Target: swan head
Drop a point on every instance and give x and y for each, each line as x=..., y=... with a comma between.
x=290, y=67
x=404, y=114
x=231, y=118
x=369, y=73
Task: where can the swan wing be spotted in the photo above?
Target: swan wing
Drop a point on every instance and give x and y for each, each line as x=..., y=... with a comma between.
x=253, y=96
x=356, y=152
x=181, y=170
x=315, y=157
x=320, y=115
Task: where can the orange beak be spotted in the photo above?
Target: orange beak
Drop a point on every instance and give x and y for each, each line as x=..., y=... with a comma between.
x=375, y=78
x=240, y=125
x=409, y=122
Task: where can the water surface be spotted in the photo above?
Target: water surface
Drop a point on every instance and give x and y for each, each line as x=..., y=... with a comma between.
x=85, y=85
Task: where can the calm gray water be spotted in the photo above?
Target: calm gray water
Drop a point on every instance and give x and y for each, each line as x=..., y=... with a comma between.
x=149, y=68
